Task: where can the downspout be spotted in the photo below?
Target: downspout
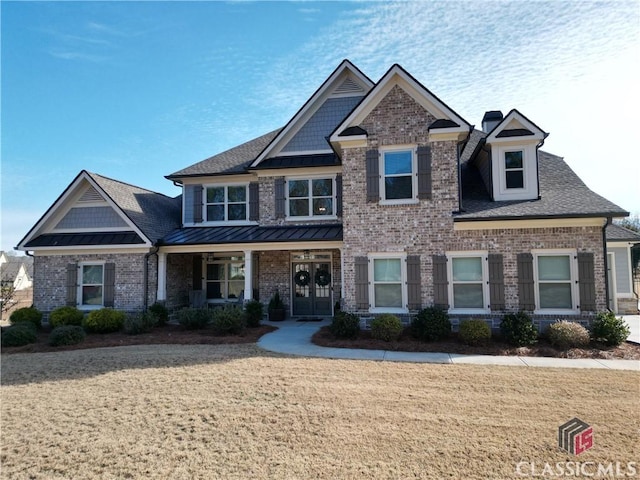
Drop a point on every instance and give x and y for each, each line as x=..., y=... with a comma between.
x=606, y=262
x=153, y=251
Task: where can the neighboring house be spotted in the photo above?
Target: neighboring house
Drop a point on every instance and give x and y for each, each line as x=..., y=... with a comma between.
x=623, y=295
x=375, y=196
x=16, y=272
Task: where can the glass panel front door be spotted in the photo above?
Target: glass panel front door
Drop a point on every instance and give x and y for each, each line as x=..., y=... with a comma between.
x=311, y=285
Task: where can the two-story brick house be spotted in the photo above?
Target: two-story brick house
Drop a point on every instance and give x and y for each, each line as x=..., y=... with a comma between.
x=376, y=197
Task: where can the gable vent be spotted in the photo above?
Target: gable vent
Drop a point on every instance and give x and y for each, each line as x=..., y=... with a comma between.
x=91, y=195
x=348, y=87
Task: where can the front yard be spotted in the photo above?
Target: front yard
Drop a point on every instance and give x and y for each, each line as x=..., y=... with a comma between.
x=235, y=411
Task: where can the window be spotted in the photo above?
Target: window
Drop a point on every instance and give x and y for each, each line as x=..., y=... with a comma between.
x=91, y=285
x=398, y=178
x=226, y=203
x=555, y=279
x=514, y=169
x=224, y=277
x=467, y=288
x=388, y=291
x=313, y=197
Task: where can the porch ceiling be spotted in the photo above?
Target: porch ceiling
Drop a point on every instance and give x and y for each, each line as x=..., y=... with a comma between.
x=252, y=234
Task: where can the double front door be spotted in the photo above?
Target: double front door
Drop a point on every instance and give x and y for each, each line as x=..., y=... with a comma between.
x=311, y=284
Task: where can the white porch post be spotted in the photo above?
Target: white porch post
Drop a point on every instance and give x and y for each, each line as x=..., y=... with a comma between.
x=341, y=275
x=248, y=275
x=162, y=277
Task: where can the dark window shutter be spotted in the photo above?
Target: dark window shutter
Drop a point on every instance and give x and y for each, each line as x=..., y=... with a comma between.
x=254, y=201
x=362, y=283
x=440, y=284
x=526, y=284
x=197, y=272
x=414, y=294
x=424, y=172
x=586, y=281
x=109, y=284
x=280, y=197
x=373, y=176
x=72, y=284
x=496, y=282
x=338, y=211
x=197, y=203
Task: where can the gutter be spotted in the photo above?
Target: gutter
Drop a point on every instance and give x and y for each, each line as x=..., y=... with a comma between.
x=145, y=281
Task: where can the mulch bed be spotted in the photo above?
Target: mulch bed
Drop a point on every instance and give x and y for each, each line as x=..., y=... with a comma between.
x=543, y=348
x=166, y=334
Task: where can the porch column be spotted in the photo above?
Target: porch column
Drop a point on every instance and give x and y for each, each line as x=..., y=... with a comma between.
x=162, y=277
x=248, y=275
x=341, y=275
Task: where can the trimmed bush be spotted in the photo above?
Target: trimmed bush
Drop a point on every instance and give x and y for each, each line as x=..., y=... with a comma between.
x=65, y=316
x=160, y=312
x=431, y=324
x=228, y=320
x=565, y=335
x=345, y=325
x=386, y=327
x=254, y=311
x=20, y=334
x=66, y=335
x=28, y=314
x=138, y=323
x=608, y=329
x=474, y=332
x=518, y=329
x=193, y=318
x=105, y=320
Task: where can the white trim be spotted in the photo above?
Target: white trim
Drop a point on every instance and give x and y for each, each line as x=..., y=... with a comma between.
x=529, y=172
x=258, y=246
x=305, y=152
x=89, y=249
x=80, y=267
x=402, y=257
x=299, y=172
x=613, y=290
x=521, y=224
x=309, y=179
x=573, y=281
x=161, y=294
x=382, y=151
x=225, y=204
x=537, y=136
x=484, y=262
x=92, y=230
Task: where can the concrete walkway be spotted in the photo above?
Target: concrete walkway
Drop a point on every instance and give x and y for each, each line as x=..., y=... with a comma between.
x=294, y=338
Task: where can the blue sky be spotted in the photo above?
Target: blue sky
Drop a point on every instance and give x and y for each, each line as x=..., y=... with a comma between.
x=138, y=90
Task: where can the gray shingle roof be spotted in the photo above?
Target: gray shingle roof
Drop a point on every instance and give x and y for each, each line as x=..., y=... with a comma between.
x=234, y=160
x=617, y=233
x=153, y=213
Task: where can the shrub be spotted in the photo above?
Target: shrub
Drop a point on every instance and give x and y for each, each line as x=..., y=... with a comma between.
x=345, y=325
x=518, y=329
x=193, y=318
x=254, y=310
x=160, y=312
x=608, y=329
x=228, y=320
x=104, y=320
x=20, y=334
x=474, y=332
x=386, y=327
x=137, y=323
x=431, y=324
x=27, y=314
x=65, y=316
x=66, y=335
x=565, y=335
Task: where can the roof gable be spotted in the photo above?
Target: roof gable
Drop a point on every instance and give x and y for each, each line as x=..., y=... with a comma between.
x=396, y=75
x=515, y=126
x=337, y=95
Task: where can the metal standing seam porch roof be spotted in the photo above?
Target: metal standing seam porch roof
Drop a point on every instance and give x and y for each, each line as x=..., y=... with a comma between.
x=252, y=234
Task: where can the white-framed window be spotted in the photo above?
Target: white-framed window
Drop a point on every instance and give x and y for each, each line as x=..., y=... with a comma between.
x=224, y=277
x=311, y=198
x=468, y=282
x=225, y=203
x=91, y=285
x=398, y=179
x=555, y=274
x=388, y=285
x=514, y=169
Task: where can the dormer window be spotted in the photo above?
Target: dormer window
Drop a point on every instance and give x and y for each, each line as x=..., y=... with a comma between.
x=225, y=203
x=514, y=169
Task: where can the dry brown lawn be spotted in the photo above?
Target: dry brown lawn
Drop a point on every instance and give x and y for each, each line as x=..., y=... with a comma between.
x=235, y=411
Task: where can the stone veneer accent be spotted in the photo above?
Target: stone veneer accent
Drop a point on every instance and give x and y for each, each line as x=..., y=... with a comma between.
x=50, y=279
